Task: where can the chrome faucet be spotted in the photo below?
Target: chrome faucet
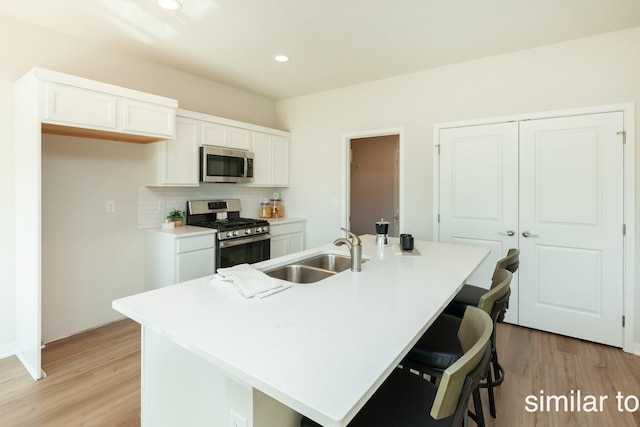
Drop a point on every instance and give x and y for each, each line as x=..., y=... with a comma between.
x=355, y=248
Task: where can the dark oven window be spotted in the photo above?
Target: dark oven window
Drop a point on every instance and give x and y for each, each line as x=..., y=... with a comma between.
x=225, y=166
x=245, y=254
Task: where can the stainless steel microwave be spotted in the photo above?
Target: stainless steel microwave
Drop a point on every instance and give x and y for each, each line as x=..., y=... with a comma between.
x=219, y=164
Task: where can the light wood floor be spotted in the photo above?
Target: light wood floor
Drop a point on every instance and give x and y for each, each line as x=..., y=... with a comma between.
x=93, y=379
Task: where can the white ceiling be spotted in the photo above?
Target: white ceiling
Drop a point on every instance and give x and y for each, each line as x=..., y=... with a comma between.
x=332, y=43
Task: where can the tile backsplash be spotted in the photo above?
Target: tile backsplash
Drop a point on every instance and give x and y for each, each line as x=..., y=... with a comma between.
x=155, y=203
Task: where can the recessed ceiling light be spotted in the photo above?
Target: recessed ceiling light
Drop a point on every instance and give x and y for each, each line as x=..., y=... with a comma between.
x=170, y=4
x=281, y=58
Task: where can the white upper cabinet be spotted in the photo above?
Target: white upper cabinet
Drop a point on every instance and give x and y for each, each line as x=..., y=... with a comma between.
x=271, y=160
x=279, y=161
x=225, y=136
x=80, y=107
x=214, y=134
x=74, y=106
x=146, y=118
x=174, y=162
x=240, y=138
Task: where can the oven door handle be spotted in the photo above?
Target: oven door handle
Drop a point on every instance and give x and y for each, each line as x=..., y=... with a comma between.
x=244, y=240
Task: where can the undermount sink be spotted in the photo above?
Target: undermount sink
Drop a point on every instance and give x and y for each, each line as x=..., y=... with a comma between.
x=312, y=269
x=297, y=273
x=331, y=262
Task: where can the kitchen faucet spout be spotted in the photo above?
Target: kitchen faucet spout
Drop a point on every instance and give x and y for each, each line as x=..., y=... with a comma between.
x=355, y=249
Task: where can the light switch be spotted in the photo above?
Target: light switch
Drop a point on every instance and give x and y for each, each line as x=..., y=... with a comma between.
x=111, y=206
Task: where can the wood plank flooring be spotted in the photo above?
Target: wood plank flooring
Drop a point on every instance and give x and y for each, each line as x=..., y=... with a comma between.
x=93, y=379
x=535, y=361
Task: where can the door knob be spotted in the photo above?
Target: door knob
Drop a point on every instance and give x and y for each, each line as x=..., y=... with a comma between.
x=508, y=233
x=528, y=234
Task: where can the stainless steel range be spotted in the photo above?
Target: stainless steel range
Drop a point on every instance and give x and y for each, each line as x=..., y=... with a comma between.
x=239, y=240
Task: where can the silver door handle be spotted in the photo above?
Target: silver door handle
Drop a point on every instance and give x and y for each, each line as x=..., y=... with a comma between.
x=528, y=234
x=508, y=233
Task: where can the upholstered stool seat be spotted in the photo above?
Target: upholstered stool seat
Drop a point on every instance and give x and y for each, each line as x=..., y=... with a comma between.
x=468, y=295
x=435, y=349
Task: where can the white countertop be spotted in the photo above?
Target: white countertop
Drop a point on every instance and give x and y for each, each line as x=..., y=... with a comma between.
x=284, y=220
x=185, y=230
x=322, y=349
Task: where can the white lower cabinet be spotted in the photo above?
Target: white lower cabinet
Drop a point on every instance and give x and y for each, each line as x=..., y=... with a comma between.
x=286, y=238
x=173, y=258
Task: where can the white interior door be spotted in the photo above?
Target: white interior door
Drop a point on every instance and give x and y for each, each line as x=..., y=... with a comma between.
x=479, y=195
x=571, y=222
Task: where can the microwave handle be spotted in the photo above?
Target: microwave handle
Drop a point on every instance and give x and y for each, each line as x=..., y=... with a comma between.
x=249, y=167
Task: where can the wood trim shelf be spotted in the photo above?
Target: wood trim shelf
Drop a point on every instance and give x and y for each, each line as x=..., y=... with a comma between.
x=52, y=129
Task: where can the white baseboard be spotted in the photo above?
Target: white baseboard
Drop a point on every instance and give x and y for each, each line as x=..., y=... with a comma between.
x=636, y=348
x=9, y=350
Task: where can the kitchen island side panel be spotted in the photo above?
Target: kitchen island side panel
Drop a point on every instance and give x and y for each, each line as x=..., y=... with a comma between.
x=181, y=388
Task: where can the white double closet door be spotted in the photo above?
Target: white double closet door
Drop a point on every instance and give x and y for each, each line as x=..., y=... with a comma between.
x=554, y=189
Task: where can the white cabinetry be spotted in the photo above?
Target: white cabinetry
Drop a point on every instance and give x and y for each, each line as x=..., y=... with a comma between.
x=77, y=107
x=270, y=147
x=271, y=161
x=176, y=256
x=286, y=237
x=225, y=136
x=239, y=138
x=50, y=102
x=174, y=162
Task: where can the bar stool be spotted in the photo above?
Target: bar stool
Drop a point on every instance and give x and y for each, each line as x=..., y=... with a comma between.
x=470, y=295
x=404, y=398
x=440, y=345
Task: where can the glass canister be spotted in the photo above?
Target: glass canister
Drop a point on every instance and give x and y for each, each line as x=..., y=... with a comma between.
x=277, y=211
x=265, y=209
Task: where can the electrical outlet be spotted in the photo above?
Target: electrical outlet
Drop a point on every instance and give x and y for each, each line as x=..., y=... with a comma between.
x=110, y=206
x=236, y=420
x=161, y=205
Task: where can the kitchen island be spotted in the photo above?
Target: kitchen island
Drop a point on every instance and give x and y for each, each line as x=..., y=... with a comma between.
x=210, y=356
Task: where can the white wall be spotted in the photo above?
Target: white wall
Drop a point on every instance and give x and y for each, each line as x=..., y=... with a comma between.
x=586, y=72
x=90, y=257
x=27, y=46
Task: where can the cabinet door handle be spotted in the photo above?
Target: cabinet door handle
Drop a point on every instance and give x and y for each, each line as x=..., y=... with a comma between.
x=528, y=234
x=508, y=233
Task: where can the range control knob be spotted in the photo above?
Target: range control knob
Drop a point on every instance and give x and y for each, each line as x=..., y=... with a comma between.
x=229, y=234
x=247, y=231
x=235, y=233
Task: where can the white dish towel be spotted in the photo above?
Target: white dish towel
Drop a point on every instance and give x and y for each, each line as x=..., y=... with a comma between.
x=248, y=281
